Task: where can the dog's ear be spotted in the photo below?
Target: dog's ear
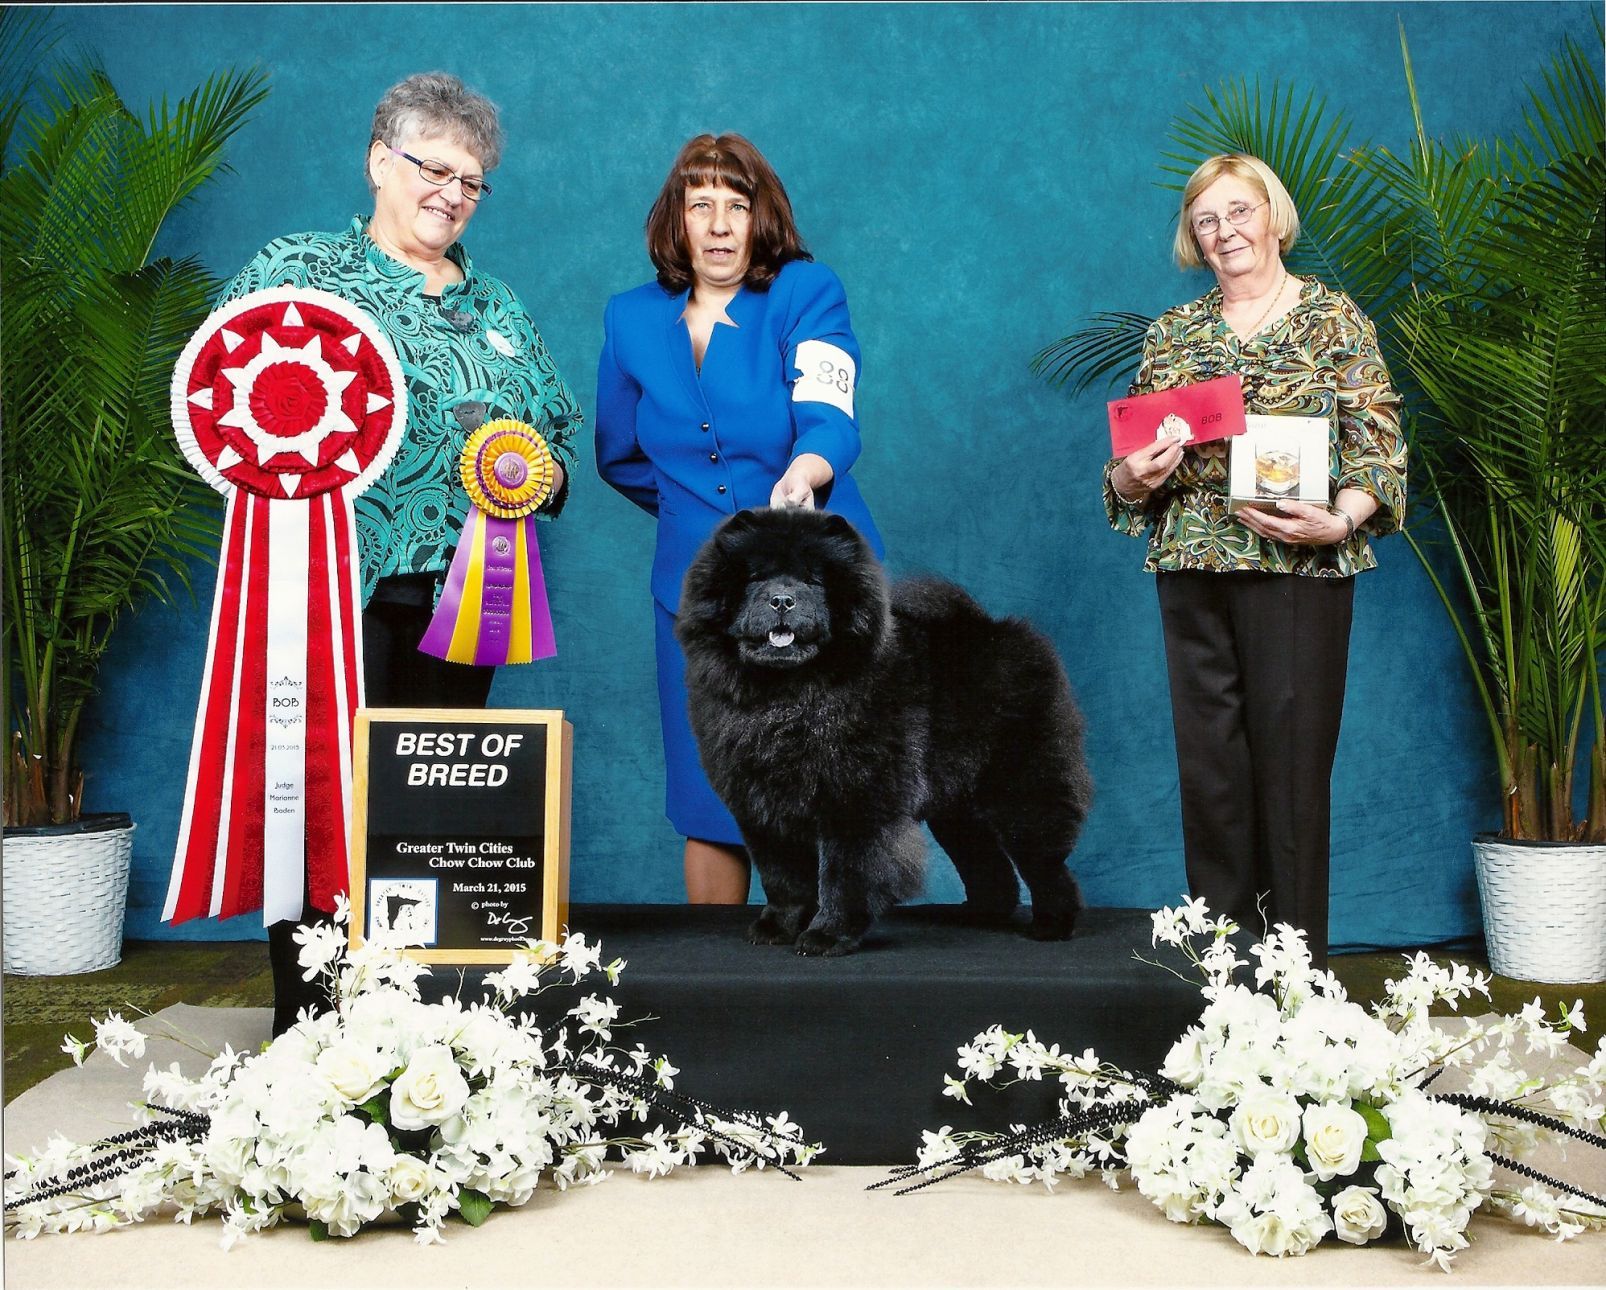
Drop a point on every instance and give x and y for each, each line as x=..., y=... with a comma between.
x=836, y=526
x=732, y=529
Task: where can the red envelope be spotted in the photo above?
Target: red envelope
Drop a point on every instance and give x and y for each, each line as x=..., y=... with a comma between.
x=1193, y=413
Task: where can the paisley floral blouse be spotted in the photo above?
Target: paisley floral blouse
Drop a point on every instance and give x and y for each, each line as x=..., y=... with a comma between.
x=1321, y=359
x=470, y=355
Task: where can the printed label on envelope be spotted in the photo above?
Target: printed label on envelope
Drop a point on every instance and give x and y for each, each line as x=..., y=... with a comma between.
x=1192, y=413
x=827, y=375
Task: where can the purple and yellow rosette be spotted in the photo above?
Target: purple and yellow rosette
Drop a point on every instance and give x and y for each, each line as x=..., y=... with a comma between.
x=494, y=609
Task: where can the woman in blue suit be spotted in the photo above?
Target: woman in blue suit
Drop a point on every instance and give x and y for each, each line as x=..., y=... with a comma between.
x=728, y=382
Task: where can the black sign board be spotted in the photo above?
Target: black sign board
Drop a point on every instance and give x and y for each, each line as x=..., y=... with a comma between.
x=461, y=828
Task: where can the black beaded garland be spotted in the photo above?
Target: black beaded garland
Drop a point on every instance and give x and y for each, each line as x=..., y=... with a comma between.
x=675, y=1105
x=119, y=1154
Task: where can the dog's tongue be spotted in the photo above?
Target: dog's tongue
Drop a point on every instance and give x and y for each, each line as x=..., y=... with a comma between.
x=780, y=637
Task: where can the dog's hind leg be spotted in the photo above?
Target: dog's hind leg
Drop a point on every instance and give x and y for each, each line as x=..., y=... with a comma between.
x=862, y=875
x=1042, y=861
x=991, y=892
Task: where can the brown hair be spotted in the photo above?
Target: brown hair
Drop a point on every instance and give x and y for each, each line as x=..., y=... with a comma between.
x=728, y=161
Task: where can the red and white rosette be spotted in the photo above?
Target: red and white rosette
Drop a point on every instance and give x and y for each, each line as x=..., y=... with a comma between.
x=290, y=402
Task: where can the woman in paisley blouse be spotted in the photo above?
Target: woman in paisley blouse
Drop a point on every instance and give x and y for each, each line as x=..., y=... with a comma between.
x=469, y=353
x=1256, y=606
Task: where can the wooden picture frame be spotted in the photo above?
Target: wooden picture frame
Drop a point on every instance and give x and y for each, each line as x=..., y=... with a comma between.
x=460, y=823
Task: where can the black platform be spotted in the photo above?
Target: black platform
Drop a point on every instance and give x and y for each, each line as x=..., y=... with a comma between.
x=854, y=1049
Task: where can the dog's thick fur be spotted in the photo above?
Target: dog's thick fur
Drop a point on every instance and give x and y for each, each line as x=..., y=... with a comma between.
x=834, y=711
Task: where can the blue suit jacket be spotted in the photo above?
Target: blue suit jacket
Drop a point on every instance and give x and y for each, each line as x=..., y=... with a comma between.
x=693, y=447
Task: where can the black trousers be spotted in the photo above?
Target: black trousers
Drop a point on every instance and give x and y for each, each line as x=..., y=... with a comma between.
x=395, y=675
x=1257, y=665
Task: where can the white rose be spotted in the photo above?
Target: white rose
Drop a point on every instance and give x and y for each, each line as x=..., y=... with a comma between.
x=1185, y=1063
x=429, y=1091
x=355, y=1071
x=229, y=1157
x=1358, y=1215
x=408, y=1178
x=1266, y=1234
x=1334, y=1136
x=1265, y=1121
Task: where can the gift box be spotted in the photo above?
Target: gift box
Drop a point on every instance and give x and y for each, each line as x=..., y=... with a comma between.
x=1278, y=459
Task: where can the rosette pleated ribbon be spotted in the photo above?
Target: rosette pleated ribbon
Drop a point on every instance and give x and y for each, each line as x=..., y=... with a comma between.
x=290, y=403
x=494, y=609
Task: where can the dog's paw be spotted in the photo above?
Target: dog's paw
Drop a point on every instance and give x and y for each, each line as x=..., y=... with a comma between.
x=1052, y=924
x=768, y=931
x=778, y=925
x=825, y=945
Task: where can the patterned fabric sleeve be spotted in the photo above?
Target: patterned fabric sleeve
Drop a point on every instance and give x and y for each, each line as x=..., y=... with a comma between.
x=1135, y=518
x=1371, y=447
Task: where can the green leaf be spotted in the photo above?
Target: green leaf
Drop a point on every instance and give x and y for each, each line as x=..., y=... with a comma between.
x=377, y=1109
x=474, y=1206
x=317, y=1229
x=1377, y=1125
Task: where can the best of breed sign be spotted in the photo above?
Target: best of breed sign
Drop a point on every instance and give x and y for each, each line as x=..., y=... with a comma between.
x=461, y=829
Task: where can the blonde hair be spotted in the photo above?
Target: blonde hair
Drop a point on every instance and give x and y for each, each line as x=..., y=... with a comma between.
x=1253, y=171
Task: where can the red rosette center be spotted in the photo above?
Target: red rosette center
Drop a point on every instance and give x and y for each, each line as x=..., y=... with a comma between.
x=287, y=399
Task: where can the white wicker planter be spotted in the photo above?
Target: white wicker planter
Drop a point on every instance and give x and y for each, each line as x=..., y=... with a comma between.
x=1544, y=908
x=66, y=887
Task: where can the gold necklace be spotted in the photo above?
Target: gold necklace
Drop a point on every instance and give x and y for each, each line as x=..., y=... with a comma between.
x=1275, y=297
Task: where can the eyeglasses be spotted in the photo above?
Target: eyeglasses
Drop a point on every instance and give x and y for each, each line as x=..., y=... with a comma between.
x=1237, y=214
x=435, y=172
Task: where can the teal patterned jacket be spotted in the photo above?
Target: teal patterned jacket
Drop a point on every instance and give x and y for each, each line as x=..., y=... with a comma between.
x=1321, y=359
x=468, y=356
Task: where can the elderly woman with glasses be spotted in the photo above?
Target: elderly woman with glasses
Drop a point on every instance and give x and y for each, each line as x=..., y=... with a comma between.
x=1256, y=606
x=470, y=354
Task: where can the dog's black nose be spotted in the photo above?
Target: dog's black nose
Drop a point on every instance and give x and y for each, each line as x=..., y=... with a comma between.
x=782, y=601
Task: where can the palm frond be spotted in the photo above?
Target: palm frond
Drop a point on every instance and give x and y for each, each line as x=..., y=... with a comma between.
x=1112, y=343
x=99, y=510
x=25, y=39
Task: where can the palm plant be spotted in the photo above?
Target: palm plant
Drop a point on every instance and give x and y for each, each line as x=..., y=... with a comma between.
x=100, y=510
x=1483, y=264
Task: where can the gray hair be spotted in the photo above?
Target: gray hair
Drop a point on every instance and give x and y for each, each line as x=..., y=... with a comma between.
x=437, y=104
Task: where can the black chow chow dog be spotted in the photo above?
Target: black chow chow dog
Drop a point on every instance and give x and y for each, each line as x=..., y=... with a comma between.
x=834, y=711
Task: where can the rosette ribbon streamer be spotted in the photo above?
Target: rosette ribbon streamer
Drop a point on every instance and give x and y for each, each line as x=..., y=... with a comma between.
x=290, y=403
x=494, y=609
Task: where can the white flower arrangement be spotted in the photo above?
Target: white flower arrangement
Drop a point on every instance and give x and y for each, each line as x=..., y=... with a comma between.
x=388, y=1104
x=1288, y=1113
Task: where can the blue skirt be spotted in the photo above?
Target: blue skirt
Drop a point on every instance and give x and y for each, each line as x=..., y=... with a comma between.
x=689, y=800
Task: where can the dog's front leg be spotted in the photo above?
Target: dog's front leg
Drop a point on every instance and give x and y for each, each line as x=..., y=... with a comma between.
x=786, y=862
x=862, y=875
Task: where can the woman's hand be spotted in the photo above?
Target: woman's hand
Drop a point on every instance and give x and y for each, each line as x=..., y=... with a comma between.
x=1144, y=469
x=808, y=472
x=1296, y=523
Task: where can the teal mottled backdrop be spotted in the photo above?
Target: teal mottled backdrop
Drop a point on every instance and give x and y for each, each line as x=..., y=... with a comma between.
x=982, y=177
